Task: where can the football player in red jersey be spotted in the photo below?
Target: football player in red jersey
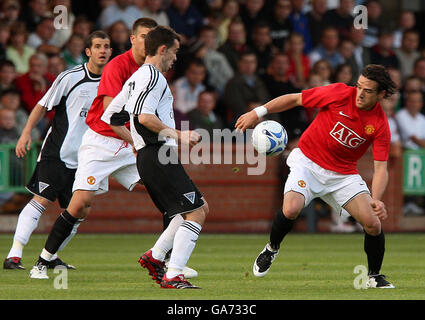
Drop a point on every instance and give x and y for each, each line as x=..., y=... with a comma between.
x=349, y=120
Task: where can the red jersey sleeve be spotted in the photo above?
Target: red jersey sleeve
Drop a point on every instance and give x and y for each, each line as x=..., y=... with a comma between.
x=113, y=77
x=381, y=143
x=320, y=97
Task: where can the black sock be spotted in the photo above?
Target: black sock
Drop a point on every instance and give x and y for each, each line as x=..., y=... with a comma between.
x=60, y=231
x=374, y=246
x=280, y=227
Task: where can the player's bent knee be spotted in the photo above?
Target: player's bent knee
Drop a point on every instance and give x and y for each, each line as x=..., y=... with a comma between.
x=373, y=228
x=291, y=210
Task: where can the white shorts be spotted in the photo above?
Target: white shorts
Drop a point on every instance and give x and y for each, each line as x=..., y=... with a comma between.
x=313, y=181
x=101, y=156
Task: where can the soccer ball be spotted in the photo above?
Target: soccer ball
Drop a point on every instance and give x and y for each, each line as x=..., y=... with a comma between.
x=269, y=138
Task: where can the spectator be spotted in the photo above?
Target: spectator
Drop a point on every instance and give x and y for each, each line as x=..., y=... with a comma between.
x=278, y=83
x=34, y=84
x=33, y=12
x=17, y=51
x=300, y=24
x=299, y=63
x=153, y=10
x=10, y=12
x=62, y=35
x=56, y=65
x=316, y=20
x=4, y=38
x=408, y=53
x=262, y=46
x=121, y=10
x=280, y=25
x=8, y=131
x=346, y=49
x=407, y=22
x=188, y=87
x=244, y=88
x=251, y=12
x=361, y=54
x=344, y=74
x=395, y=75
x=419, y=71
x=235, y=44
x=11, y=100
x=218, y=68
x=73, y=52
x=328, y=48
x=374, y=11
x=184, y=19
x=120, y=38
x=42, y=39
x=341, y=17
x=382, y=52
x=82, y=26
x=7, y=75
x=323, y=68
x=389, y=106
x=411, y=122
x=230, y=11
x=203, y=116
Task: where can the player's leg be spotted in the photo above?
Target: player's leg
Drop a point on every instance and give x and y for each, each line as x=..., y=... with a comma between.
x=27, y=222
x=374, y=241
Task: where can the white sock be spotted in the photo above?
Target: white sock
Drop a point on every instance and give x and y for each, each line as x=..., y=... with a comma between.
x=73, y=233
x=184, y=243
x=165, y=241
x=27, y=223
x=46, y=255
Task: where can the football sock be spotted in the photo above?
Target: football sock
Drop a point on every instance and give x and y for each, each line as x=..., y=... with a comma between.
x=280, y=227
x=27, y=223
x=73, y=233
x=183, y=245
x=60, y=231
x=374, y=246
x=165, y=241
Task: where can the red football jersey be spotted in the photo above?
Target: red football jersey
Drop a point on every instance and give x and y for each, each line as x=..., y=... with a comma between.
x=114, y=75
x=341, y=133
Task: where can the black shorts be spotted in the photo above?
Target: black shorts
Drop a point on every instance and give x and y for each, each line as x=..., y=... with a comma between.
x=169, y=186
x=52, y=180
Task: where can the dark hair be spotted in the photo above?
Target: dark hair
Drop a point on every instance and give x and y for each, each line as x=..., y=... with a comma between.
x=7, y=63
x=196, y=62
x=159, y=36
x=98, y=34
x=143, y=22
x=379, y=74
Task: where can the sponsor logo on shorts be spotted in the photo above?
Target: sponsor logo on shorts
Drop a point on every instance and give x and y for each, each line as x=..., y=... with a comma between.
x=91, y=180
x=190, y=196
x=42, y=186
x=301, y=183
x=369, y=129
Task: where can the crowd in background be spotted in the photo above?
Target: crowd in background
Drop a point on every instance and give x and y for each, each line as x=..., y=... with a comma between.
x=235, y=55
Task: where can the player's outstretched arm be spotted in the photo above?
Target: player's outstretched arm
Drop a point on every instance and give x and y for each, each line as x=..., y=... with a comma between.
x=279, y=104
x=24, y=142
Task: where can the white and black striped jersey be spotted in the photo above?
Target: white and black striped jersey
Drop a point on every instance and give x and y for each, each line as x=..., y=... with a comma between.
x=145, y=92
x=71, y=96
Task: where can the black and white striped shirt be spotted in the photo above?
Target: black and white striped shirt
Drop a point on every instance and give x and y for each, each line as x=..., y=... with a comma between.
x=71, y=96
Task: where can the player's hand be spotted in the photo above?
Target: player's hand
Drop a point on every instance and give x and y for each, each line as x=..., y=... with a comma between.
x=190, y=137
x=246, y=121
x=379, y=209
x=23, y=145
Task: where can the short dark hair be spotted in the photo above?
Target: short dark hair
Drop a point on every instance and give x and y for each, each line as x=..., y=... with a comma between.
x=6, y=63
x=159, y=36
x=143, y=22
x=95, y=35
x=379, y=74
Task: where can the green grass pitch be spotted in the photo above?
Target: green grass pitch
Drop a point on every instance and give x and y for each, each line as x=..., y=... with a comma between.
x=318, y=266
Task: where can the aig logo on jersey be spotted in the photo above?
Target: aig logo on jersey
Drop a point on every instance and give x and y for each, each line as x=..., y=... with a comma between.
x=346, y=136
